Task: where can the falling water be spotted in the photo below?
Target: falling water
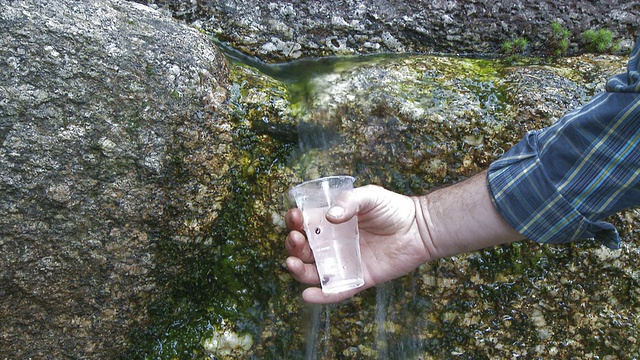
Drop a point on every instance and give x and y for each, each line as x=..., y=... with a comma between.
x=317, y=133
x=382, y=301
x=314, y=326
x=319, y=332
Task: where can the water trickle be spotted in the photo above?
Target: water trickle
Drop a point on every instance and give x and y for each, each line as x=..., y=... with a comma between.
x=382, y=302
x=313, y=332
x=316, y=136
x=319, y=334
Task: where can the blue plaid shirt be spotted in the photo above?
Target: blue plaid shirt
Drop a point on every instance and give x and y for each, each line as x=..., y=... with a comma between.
x=557, y=183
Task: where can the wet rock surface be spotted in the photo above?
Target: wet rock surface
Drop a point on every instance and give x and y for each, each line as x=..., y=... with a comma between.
x=144, y=184
x=286, y=30
x=439, y=119
x=416, y=123
x=99, y=102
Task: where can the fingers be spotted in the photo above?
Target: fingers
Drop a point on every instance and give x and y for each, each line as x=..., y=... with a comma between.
x=293, y=219
x=302, y=272
x=300, y=263
x=297, y=246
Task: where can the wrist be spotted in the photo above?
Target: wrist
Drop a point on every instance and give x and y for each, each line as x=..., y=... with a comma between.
x=461, y=218
x=424, y=225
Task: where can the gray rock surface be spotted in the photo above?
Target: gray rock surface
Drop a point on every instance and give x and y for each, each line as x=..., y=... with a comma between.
x=285, y=30
x=99, y=102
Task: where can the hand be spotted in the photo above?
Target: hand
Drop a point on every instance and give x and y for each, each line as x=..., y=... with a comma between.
x=398, y=233
x=390, y=241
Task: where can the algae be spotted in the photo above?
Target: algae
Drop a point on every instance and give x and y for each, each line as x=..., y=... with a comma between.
x=223, y=277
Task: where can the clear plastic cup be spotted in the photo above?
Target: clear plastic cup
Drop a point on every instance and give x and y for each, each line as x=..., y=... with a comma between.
x=336, y=247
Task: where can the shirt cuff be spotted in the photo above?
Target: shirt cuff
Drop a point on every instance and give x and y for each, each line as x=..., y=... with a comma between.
x=529, y=201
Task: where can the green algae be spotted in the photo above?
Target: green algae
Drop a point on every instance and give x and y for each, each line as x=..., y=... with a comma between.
x=223, y=276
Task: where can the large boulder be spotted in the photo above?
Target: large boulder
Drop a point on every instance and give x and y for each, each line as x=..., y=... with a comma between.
x=290, y=29
x=109, y=124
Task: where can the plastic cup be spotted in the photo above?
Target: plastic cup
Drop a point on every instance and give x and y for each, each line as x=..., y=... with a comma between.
x=336, y=247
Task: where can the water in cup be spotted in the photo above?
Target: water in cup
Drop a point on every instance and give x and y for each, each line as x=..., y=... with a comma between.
x=336, y=247
x=337, y=259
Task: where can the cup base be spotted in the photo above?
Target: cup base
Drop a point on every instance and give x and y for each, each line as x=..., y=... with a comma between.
x=342, y=285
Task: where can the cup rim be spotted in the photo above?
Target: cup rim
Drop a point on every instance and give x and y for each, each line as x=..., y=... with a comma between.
x=324, y=178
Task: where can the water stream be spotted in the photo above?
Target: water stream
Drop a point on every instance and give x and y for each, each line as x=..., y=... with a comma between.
x=298, y=75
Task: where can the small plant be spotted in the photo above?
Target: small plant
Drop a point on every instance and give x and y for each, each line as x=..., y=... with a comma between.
x=517, y=45
x=559, y=39
x=598, y=41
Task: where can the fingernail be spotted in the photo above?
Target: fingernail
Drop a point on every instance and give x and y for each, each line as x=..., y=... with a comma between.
x=336, y=212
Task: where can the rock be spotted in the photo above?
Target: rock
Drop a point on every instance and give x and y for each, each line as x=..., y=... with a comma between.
x=286, y=30
x=109, y=122
x=404, y=123
x=133, y=180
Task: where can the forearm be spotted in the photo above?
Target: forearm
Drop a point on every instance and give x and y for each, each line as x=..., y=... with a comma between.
x=558, y=183
x=461, y=218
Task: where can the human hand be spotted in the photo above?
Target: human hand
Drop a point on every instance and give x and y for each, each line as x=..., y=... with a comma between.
x=390, y=240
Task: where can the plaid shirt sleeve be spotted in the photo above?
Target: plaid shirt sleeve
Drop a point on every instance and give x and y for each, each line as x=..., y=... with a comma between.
x=556, y=184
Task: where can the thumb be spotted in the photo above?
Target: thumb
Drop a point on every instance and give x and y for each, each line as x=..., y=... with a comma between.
x=338, y=214
x=344, y=207
x=348, y=204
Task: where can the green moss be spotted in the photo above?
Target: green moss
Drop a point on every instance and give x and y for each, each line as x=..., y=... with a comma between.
x=149, y=69
x=514, y=49
x=558, y=31
x=224, y=275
